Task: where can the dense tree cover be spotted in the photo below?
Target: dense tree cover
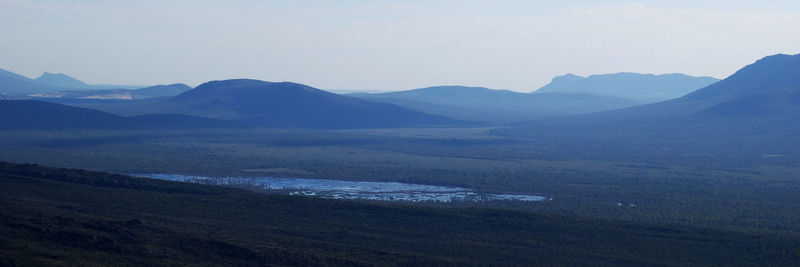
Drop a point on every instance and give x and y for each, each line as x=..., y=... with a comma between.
x=729, y=194
x=68, y=216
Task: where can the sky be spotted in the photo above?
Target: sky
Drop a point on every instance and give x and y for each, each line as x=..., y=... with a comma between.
x=388, y=45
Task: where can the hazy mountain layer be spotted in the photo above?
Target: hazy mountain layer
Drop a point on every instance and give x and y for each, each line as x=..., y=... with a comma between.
x=60, y=80
x=18, y=85
x=286, y=104
x=497, y=106
x=238, y=102
x=645, y=88
x=115, y=94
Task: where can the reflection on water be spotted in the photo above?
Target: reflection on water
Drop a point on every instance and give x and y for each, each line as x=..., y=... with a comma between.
x=337, y=189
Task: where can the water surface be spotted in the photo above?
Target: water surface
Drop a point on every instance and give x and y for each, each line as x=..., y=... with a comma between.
x=338, y=189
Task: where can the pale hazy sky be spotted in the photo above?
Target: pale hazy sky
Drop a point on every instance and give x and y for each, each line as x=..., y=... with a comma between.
x=388, y=45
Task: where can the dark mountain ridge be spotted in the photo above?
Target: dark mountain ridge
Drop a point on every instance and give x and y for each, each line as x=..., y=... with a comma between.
x=749, y=116
x=769, y=84
x=286, y=104
x=767, y=74
x=767, y=88
x=229, y=103
x=38, y=115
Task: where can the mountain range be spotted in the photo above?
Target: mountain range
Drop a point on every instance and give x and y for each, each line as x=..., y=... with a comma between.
x=38, y=115
x=751, y=116
x=762, y=96
x=229, y=103
x=286, y=104
x=113, y=94
x=643, y=88
x=496, y=106
x=761, y=92
x=13, y=84
x=565, y=95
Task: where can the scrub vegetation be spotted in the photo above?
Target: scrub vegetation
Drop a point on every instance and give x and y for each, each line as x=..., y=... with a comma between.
x=67, y=216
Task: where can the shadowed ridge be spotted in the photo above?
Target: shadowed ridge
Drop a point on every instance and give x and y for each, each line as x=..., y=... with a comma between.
x=287, y=104
x=769, y=73
x=33, y=114
x=761, y=97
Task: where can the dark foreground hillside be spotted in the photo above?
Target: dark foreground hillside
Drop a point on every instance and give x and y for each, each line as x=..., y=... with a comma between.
x=64, y=216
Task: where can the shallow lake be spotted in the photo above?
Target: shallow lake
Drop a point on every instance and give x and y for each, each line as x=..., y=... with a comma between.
x=338, y=189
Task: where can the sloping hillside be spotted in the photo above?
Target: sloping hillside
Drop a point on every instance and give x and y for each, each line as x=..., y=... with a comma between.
x=32, y=114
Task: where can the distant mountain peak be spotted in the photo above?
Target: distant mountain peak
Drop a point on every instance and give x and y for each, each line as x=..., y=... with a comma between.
x=453, y=89
x=60, y=80
x=18, y=85
x=567, y=77
x=629, y=85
